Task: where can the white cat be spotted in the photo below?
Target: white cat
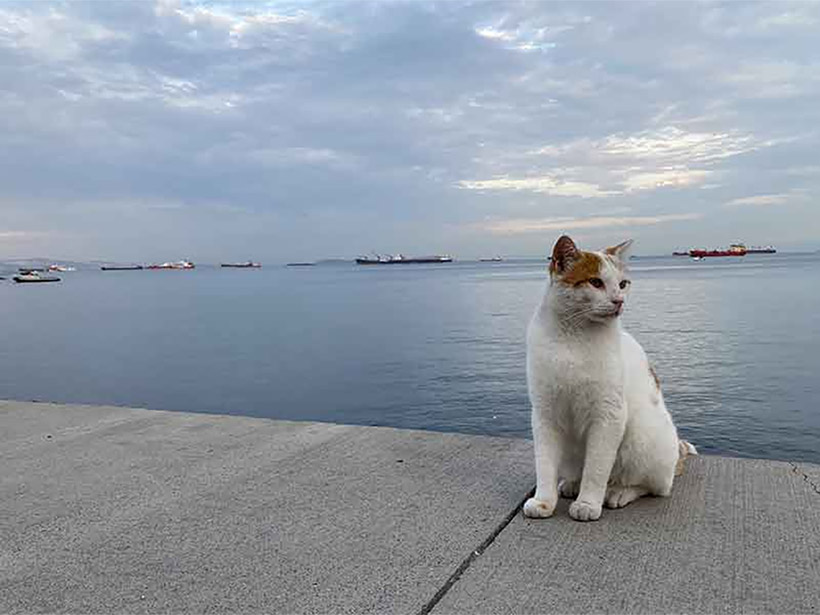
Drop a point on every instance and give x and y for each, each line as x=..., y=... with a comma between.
x=600, y=427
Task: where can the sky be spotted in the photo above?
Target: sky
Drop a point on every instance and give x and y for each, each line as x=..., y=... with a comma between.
x=278, y=131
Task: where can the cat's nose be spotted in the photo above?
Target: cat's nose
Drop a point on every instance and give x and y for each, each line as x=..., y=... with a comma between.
x=617, y=301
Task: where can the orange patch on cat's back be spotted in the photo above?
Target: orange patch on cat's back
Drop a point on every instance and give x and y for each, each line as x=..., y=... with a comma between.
x=683, y=453
x=654, y=375
x=585, y=266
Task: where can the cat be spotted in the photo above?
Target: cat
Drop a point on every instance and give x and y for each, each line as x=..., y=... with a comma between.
x=601, y=430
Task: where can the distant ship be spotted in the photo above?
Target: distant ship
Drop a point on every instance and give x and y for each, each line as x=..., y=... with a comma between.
x=122, y=267
x=494, y=259
x=175, y=265
x=400, y=259
x=736, y=249
x=247, y=265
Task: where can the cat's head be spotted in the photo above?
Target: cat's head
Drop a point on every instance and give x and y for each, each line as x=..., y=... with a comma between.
x=589, y=286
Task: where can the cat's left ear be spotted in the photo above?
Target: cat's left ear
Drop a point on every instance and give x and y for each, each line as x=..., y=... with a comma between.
x=621, y=251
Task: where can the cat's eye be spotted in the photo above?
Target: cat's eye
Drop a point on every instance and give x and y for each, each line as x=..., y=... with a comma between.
x=596, y=282
x=624, y=284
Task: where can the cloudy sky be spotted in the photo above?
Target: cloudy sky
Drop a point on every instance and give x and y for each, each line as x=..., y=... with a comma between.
x=302, y=130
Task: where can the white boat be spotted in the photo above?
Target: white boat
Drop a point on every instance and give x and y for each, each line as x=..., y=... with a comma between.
x=175, y=265
x=34, y=277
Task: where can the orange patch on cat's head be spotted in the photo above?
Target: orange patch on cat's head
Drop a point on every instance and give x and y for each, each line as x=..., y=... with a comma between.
x=587, y=265
x=572, y=266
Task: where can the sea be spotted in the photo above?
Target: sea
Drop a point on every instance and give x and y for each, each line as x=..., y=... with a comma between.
x=736, y=342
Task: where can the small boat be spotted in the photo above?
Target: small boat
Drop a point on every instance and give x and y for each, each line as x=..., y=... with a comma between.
x=300, y=264
x=60, y=268
x=122, y=267
x=247, y=265
x=680, y=253
x=28, y=270
x=34, y=277
x=494, y=259
x=761, y=250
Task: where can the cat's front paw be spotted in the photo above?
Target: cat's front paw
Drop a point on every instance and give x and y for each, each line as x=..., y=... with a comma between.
x=538, y=509
x=584, y=511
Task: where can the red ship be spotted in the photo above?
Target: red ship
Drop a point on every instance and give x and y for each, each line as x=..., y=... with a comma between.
x=736, y=249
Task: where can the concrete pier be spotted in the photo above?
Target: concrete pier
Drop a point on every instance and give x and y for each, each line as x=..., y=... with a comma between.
x=118, y=510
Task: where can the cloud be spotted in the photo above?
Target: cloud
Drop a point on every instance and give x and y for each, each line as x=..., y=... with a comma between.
x=517, y=226
x=669, y=157
x=18, y=234
x=545, y=185
x=673, y=145
x=760, y=200
x=664, y=178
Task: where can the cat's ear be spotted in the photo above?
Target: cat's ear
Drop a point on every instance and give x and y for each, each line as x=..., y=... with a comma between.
x=564, y=252
x=621, y=251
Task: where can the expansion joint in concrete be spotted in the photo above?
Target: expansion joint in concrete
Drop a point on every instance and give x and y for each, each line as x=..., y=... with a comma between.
x=796, y=469
x=474, y=554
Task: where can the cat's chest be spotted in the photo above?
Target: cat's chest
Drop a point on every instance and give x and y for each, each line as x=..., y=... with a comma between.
x=579, y=369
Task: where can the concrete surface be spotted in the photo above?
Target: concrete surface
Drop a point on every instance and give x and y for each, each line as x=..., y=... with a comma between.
x=111, y=510
x=115, y=510
x=737, y=536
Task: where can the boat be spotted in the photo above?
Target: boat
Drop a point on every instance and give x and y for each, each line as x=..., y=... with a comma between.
x=248, y=265
x=60, y=268
x=34, y=277
x=122, y=267
x=736, y=249
x=300, y=264
x=761, y=250
x=400, y=259
x=175, y=265
x=680, y=253
x=28, y=270
x=494, y=259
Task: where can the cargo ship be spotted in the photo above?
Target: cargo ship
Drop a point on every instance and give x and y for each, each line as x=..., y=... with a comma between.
x=247, y=265
x=400, y=259
x=736, y=249
x=122, y=267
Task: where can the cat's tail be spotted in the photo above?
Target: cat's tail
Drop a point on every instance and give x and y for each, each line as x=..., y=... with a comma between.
x=685, y=449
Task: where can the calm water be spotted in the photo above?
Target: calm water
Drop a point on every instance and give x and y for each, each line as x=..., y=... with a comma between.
x=737, y=344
